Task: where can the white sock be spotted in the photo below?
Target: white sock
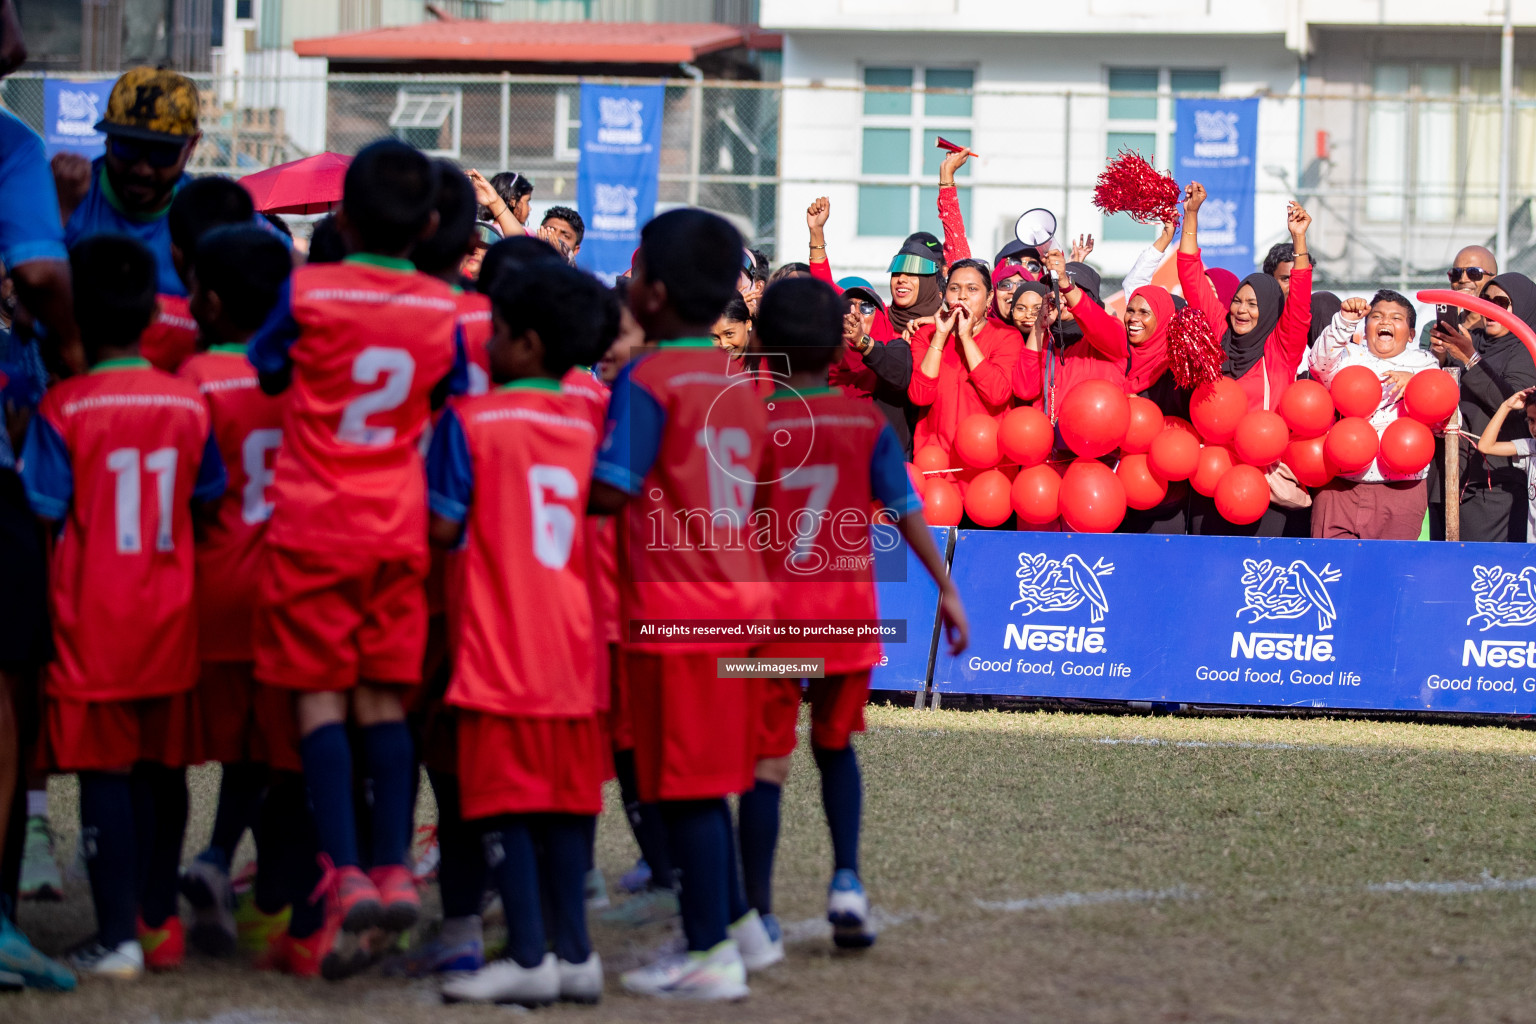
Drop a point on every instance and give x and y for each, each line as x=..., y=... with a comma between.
x=37, y=803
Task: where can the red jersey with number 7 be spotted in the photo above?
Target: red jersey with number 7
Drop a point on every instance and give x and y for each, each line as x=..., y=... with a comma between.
x=248, y=427
x=117, y=456
x=368, y=340
x=685, y=440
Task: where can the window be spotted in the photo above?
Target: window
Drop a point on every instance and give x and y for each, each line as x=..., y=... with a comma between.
x=428, y=120
x=567, y=125
x=899, y=155
x=243, y=9
x=1141, y=120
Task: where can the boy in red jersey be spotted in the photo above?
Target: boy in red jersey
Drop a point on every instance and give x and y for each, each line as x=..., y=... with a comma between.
x=510, y=471
x=837, y=454
x=682, y=455
x=368, y=344
x=117, y=456
x=237, y=273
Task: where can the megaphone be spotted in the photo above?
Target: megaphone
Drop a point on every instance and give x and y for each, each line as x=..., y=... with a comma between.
x=1035, y=227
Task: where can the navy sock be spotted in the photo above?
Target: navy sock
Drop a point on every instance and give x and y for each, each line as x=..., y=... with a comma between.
x=645, y=822
x=240, y=789
x=392, y=767
x=282, y=812
x=699, y=834
x=842, y=798
x=757, y=817
x=735, y=893
x=328, y=773
x=111, y=851
x=299, y=855
x=461, y=872
x=160, y=822
x=567, y=840
x=514, y=862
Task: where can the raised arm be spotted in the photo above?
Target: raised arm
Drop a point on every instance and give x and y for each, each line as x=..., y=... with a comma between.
x=1288, y=344
x=816, y=222
x=1489, y=443
x=955, y=245
x=1328, y=352
x=1151, y=258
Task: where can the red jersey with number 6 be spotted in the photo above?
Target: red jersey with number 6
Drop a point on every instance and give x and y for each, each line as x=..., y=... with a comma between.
x=248, y=426
x=117, y=455
x=515, y=467
x=832, y=455
x=368, y=340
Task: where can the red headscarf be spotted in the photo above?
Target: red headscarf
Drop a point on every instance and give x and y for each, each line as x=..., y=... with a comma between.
x=1226, y=284
x=1150, y=358
x=1000, y=275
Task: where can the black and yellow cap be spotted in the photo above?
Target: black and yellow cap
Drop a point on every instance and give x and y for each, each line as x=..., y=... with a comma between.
x=153, y=104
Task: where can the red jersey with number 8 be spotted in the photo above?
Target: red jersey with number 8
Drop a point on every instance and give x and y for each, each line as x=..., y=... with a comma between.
x=373, y=340
x=247, y=425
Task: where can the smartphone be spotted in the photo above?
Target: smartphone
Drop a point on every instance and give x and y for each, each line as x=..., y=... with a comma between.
x=1448, y=316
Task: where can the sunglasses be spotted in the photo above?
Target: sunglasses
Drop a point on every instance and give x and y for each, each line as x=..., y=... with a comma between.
x=1498, y=300
x=486, y=233
x=156, y=154
x=867, y=309
x=1473, y=274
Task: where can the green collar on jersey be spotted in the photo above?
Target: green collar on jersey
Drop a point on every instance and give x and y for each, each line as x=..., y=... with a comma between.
x=110, y=195
x=807, y=393
x=532, y=384
x=686, y=343
x=125, y=363
x=228, y=350
x=373, y=259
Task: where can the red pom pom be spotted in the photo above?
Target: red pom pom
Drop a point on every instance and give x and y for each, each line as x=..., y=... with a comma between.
x=1194, y=353
x=1130, y=185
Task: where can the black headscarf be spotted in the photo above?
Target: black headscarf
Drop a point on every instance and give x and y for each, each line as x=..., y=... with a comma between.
x=1038, y=287
x=1325, y=305
x=1086, y=278
x=1522, y=295
x=1244, y=351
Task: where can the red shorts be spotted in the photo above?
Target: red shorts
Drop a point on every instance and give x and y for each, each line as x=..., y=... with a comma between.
x=837, y=711
x=235, y=725
x=112, y=735
x=530, y=765
x=695, y=735
x=327, y=620
x=620, y=729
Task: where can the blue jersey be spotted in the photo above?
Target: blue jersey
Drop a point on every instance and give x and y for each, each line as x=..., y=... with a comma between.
x=29, y=206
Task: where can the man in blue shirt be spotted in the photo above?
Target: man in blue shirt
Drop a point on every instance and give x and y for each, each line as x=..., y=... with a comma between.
x=151, y=127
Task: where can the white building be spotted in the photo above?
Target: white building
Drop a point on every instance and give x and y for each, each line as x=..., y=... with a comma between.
x=1413, y=175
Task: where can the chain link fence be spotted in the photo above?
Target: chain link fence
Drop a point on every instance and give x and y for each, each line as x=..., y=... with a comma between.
x=1396, y=182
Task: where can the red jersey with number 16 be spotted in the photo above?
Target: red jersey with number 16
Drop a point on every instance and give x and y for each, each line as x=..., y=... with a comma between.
x=368, y=339
x=247, y=424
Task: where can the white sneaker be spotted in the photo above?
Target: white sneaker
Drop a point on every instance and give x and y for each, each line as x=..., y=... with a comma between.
x=714, y=976
x=759, y=940
x=124, y=962
x=583, y=982
x=504, y=981
x=848, y=910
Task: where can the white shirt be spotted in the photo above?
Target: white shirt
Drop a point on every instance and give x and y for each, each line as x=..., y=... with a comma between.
x=1525, y=448
x=1336, y=349
x=1142, y=270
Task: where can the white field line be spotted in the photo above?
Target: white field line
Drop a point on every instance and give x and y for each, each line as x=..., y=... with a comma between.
x=1067, y=900
x=1487, y=883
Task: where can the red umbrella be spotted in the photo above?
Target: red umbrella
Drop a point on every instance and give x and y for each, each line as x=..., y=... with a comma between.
x=310, y=185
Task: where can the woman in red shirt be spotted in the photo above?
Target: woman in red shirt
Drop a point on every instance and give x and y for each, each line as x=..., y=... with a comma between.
x=1263, y=336
x=962, y=363
x=1044, y=376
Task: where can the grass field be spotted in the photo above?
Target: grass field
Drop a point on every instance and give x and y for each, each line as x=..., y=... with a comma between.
x=1063, y=867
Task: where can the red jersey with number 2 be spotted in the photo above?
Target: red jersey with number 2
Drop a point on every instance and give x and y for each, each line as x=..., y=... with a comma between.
x=248, y=427
x=373, y=342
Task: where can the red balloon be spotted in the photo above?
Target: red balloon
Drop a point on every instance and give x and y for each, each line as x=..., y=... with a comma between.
x=942, y=505
x=1216, y=409
x=1035, y=493
x=1242, y=495
x=1092, y=497
x=1307, y=409
x=1025, y=435
x=1143, y=488
x=987, y=498
x=1406, y=446
x=1261, y=437
x=1094, y=417
x=1146, y=423
x=1431, y=396
x=1351, y=444
x=1180, y=423
x=1175, y=453
x=1308, y=461
x=1356, y=391
x=919, y=482
x=930, y=458
x=1214, y=463
x=976, y=441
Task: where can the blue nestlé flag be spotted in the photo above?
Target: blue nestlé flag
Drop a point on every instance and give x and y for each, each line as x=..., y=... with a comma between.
x=70, y=113
x=1216, y=144
x=616, y=179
